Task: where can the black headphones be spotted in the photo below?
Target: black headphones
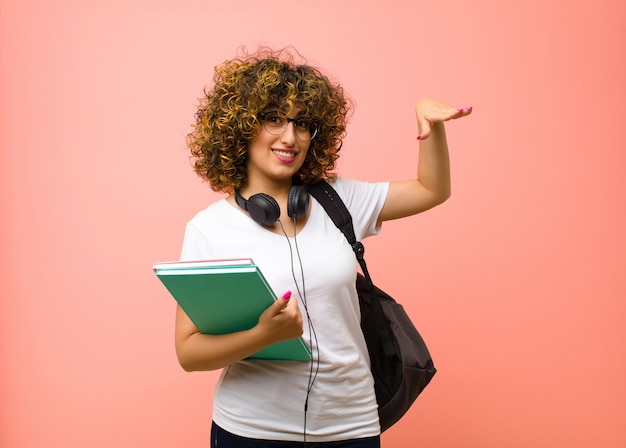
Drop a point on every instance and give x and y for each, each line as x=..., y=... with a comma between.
x=265, y=210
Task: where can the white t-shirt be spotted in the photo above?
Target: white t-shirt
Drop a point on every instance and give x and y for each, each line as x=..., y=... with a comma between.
x=265, y=399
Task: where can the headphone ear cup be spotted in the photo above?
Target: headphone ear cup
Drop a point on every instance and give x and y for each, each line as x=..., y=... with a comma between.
x=297, y=202
x=263, y=209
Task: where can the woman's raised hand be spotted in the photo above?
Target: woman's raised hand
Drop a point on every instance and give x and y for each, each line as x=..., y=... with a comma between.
x=430, y=111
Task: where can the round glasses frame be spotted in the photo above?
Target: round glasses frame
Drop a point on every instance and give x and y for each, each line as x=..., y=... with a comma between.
x=272, y=122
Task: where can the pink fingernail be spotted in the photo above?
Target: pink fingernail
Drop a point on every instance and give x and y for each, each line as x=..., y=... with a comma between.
x=287, y=295
x=467, y=109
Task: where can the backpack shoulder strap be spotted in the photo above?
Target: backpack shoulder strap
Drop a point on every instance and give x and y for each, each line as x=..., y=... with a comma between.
x=329, y=199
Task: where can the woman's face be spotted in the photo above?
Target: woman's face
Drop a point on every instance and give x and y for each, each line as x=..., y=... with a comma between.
x=279, y=149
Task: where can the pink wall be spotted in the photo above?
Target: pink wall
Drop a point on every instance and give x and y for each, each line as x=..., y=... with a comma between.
x=517, y=283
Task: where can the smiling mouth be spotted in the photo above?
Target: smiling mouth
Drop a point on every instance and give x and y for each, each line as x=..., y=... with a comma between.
x=284, y=154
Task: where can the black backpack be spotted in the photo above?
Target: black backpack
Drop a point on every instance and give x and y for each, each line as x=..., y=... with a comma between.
x=400, y=362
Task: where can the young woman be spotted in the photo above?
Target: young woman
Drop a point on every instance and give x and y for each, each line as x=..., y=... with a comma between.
x=266, y=129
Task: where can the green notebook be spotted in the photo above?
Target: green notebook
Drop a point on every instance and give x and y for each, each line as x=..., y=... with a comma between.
x=225, y=296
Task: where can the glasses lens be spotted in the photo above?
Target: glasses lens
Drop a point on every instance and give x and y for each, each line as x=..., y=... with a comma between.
x=275, y=125
x=272, y=122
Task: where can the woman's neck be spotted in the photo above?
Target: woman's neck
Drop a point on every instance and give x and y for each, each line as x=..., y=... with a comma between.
x=275, y=189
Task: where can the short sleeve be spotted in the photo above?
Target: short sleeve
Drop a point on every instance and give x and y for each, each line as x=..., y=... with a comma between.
x=365, y=201
x=195, y=245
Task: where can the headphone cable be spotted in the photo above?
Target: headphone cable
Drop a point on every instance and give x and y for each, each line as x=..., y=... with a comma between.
x=315, y=360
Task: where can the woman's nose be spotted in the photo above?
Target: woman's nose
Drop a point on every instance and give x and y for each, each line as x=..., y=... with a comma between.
x=289, y=133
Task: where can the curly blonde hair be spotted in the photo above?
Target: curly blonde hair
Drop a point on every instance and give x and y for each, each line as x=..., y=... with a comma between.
x=227, y=116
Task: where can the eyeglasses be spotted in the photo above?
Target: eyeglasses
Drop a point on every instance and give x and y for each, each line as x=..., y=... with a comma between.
x=304, y=128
